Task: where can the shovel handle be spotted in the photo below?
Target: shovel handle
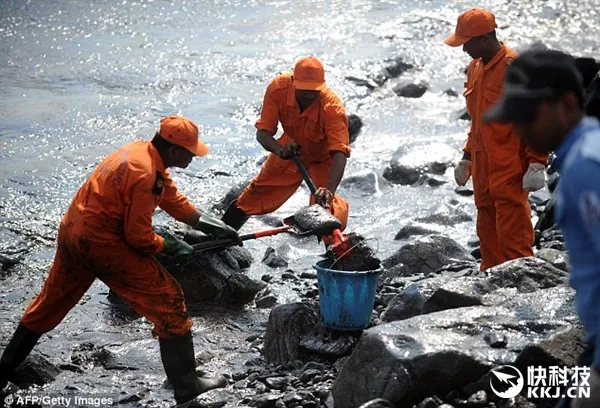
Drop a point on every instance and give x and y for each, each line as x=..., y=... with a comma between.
x=305, y=175
x=222, y=243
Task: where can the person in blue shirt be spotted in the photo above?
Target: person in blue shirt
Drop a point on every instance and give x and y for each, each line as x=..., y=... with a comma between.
x=544, y=98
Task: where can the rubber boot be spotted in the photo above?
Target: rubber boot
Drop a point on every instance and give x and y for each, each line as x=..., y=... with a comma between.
x=180, y=366
x=234, y=217
x=17, y=350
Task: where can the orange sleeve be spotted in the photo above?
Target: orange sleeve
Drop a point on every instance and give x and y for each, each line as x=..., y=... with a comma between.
x=173, y=202
x=535, y=157
x=140, y=204
x=269, y=114
x=336, y=129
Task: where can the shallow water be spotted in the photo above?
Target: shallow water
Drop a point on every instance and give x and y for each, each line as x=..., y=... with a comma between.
x=78, y=79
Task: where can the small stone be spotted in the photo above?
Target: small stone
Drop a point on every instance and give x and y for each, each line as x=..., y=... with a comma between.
x=436, y=181
x=464, y=191
x=266, y=278
x=323, y=394
x=266, y=302
x=272, y=260
x=309, y=404
x=478, y=400
x=130, y=398
x=308, y=275
x=253, y=337
x=428, y=403
x=252, y=377
x=288, y=276
x=496, y=340
x=450, y=92
x=313, y=365
x=239, y=376
x=275, y=383
x=307, y=375
x=279, y=404
x=204, y=357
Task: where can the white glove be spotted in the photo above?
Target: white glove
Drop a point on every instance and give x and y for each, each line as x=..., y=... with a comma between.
x=462, y=172
x=535, y=177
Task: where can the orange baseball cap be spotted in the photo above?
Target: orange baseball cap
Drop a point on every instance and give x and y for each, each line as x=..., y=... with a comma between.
x=182, y=132
x=472, y=23
x=309, y=74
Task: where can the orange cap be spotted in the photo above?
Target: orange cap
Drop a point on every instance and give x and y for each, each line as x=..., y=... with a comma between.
x=182, y=132
x=471, y=23
x=309, y=74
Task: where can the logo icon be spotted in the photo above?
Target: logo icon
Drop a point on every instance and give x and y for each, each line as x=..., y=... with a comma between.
x=506, y=381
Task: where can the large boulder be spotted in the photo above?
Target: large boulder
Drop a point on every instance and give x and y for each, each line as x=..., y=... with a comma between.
x=445, y=292
x=406, y=361
x=287, y=325
x=424, y=256
x=36, y=369
x=411, y=164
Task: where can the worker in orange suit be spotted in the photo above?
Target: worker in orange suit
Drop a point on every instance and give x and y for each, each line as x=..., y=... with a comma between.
x=504, y=170
x=315, y=126
x=107, y=234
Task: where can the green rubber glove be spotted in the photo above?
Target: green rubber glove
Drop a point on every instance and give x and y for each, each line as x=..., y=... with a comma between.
x=181, y=250
x=217, y=228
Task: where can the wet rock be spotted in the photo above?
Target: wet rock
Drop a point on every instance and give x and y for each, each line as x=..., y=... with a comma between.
x=35, y=370
x=525, y=274
x=377, y=403
x=7, y=262
x=275, y=383
x=408, y=360
x=432, y=295
x=367, y=182
x=473, y=242
x=366, y=82
x=546, y=219
x=436, y=181
x=426, y=255
x=451, y=92
x=496, y=340
x=478, y=400
x=410, y=164
x=462, y=114
x=308, y=375
x=558, y=259
x=265, y=401
x=476, y=253
x=287, y=324
x=355, y=124
x=272, y=260
x=429, y=402
x=308, y=275
x=289, y=275
x=204, y=357
x=359, y=256
x=396, y=68
x=231, y=195
x=410, y=89
x=562, y=349
x=266, y=278
x=447, y=217
x=464, y=191
x=412, y=230
x=266, y=302
x=327, y=343
x=316, y=219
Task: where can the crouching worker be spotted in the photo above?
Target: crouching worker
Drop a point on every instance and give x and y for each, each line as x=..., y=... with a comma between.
x=107, y=234
x=315, y=127
x=543, y=97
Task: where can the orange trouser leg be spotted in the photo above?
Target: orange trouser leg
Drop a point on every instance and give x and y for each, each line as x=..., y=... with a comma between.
x=143, y=283
x=275, y=184
x=491, y=253
x=66, y=283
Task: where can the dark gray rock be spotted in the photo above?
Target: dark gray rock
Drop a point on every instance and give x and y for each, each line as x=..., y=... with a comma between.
x=429, y=402
x=447, y=216
x=451, y=92
x=287, y=324
x=436, y=181
x=36, y=369
x=558, y=259
x=412, y=230
x=525, y=274
x=355, y=124
x=377, y=403
x=324, y=342
x=462, y=114
x=216, y=276
x=308, y=375
x=406, y=361
x=266, y=302
x=272, y=260
x=478, y=400
x=316, y=219
x=403, y=174
x=410, y=164
x=495, y=339
x=426, y=255
x=275, y=383
x=464, y=191
x=410, y=89
x=366, y=182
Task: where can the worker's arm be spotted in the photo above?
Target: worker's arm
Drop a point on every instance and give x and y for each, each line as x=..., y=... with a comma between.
x=176, y=204
x=268, y=142
x=337, y=171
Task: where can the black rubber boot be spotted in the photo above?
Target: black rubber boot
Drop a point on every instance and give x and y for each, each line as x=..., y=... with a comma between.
x=180, y=366
x=17, y=350
x=234, y=217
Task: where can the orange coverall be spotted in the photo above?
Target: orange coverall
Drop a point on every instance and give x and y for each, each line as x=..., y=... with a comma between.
x=499, y=161
x=320, y=130
x=107, y=234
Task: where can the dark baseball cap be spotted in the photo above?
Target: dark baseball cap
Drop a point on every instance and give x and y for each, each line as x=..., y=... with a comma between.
x=532, y=77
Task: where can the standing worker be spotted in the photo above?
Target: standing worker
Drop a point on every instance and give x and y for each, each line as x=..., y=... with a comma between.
x=544, y=99
x=504, y=170
x=107, y=234
x=315, y=126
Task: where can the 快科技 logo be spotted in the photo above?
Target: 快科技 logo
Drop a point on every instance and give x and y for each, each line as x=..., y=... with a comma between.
x=506, y=381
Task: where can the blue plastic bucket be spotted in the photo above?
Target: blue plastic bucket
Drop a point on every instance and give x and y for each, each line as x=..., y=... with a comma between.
x=346, y=299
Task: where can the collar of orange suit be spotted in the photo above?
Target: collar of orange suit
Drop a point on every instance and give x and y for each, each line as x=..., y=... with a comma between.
x=160, y=166
x=312, y=112
x=499, y=55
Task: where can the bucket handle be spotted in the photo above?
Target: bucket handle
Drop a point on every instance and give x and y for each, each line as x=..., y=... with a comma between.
x=354, y=246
